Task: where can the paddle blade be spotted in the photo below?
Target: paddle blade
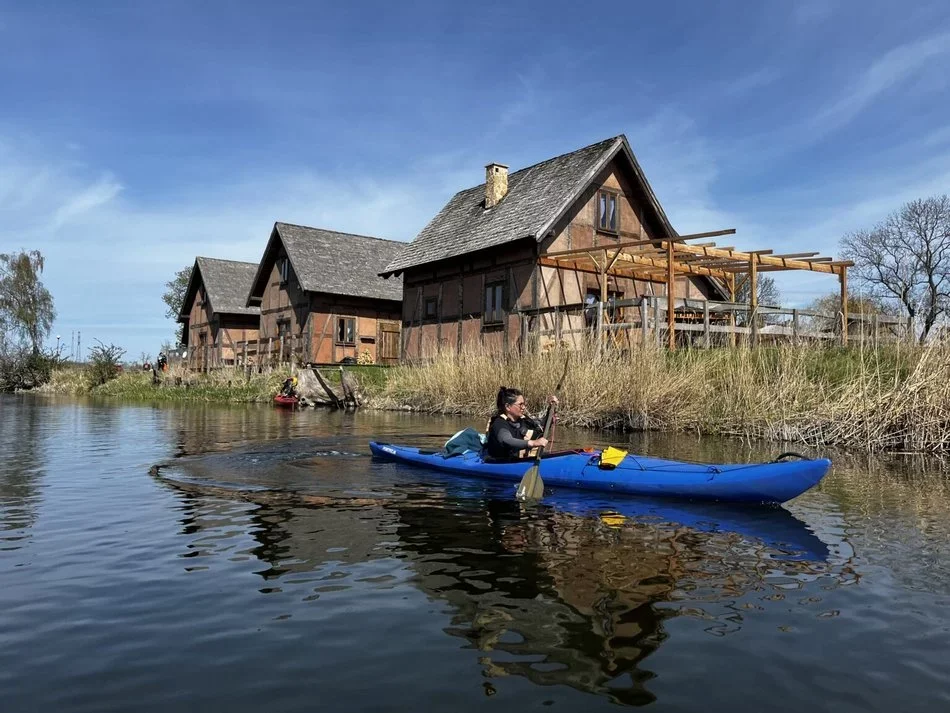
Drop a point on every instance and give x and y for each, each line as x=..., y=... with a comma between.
x=531, y=486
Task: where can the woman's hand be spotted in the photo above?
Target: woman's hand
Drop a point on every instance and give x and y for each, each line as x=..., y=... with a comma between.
x=543, y=442
x=552, y=399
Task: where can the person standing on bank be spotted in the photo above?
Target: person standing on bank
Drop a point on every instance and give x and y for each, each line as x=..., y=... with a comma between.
x=512, y=433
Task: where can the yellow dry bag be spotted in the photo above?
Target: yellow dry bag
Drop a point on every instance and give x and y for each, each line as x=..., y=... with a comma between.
x=610, y=457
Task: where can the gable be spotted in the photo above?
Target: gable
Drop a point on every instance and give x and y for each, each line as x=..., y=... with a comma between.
x=331, y=262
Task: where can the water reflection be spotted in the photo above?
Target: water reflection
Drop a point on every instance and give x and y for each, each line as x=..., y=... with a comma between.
x=434, y=586
x=22, y=467
x=576, y=592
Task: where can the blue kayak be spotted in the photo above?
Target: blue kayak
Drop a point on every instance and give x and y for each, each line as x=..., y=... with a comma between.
x=773, y=482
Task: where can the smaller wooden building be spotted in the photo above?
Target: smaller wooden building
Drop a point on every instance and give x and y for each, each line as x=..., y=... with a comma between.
x=321, y=297
x=215, y=313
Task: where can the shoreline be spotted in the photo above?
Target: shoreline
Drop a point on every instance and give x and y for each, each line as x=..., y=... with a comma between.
x=889, y=399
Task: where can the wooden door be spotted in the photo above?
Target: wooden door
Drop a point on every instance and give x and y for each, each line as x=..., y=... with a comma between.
x=387, y=351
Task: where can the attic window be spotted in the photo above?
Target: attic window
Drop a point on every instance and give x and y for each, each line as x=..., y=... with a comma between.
x=283, y=266
x=608, y=214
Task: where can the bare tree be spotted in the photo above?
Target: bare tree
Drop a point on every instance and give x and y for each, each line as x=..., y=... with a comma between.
x=829, y=306
x=767, y=295
x=905, y=260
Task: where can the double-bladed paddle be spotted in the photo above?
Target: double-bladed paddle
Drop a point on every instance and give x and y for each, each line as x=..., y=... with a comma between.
x=531, y=486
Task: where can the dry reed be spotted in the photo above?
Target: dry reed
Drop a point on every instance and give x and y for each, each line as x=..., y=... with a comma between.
x=889, y=398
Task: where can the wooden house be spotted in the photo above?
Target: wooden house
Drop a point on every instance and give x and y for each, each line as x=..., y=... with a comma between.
x=215, y=313
x=478, y=273
x=321, y=296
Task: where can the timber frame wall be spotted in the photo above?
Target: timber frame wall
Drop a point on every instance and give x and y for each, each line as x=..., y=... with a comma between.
x=221, y=332
x=312, y=318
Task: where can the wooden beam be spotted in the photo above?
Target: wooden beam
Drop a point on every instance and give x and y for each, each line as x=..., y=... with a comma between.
x=626, y=262
x=612, y=260
x=757, y=259
x=648, y=241
x=788, y=255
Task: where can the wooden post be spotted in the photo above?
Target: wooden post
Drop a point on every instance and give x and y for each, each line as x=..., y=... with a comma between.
x=754, y=298
x=269, y=351
x=844, y=305
x=458, y=333
x=877, y=326
x=244, y=357
x=280, y=349
x=795, y=326
x=670, y=286
x=438, y=317
x=643, y=319
x=656, y=321
x=600, y=327
x=732, y=311
x=706, y=323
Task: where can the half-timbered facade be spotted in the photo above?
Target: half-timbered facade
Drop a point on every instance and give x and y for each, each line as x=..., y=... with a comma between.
x=320, y=295
x=478, y=272
x=215, y=313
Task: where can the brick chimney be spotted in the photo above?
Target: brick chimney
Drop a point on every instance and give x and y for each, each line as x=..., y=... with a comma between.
x=496, y=183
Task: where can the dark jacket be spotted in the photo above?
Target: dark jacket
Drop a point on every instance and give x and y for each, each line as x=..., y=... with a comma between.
x=508, y=440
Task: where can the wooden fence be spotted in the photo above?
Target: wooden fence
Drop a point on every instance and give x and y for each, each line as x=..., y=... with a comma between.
x=622, y=323
x=274, y=352
x=704, y=323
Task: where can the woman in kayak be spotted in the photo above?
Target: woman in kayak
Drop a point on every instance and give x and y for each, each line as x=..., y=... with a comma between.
x=512, y=433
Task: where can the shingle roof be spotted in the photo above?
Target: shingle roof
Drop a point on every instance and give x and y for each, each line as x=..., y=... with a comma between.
x=226, y=282
x=333, y=262
x=536, y=197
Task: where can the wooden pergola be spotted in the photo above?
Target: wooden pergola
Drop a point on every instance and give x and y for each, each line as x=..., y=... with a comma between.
x=662, y=260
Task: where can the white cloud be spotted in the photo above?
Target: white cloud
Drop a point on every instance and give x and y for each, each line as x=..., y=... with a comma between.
x=87, y=199
x=888, y=71
x=108, y=255
x=750, y=82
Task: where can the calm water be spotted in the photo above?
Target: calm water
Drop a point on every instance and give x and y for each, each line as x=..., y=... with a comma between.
x=272, y=565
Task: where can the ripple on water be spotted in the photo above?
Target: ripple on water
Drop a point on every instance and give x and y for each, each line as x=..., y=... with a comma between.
x=285, y=568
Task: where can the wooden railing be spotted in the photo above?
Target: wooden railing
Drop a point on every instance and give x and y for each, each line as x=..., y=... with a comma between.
x=704, y=323
x=272, y=352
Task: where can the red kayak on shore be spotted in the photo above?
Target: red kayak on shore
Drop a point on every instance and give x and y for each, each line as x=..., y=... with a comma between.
x=286, y=401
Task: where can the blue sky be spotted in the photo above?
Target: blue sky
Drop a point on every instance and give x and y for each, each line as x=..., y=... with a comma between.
x=136, y=135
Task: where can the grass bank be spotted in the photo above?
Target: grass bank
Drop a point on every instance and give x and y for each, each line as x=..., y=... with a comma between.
x=224, y=385
x=229, y=384
x=886, y=399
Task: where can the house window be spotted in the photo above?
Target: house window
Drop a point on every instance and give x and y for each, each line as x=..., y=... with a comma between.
x=431, y=308
x=346, y=330
x=608, y=212
x=283, y=266
x=494, y=303
x=283, y=327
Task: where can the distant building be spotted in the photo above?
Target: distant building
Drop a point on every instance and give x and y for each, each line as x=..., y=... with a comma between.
x=320, y=292
x=215, y=313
